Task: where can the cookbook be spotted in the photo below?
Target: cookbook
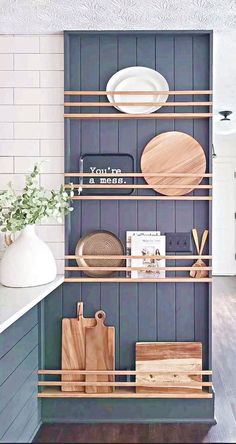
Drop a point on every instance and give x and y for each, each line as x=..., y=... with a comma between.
x=129, y=235
x=147, y=245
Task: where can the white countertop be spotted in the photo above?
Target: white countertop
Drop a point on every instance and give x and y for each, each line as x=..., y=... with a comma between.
x=15, y=302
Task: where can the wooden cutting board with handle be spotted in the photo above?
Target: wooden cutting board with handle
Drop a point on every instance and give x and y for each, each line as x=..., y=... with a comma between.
x=100, y=353
x=73, y=347
x=173, y=152
x=168, y=357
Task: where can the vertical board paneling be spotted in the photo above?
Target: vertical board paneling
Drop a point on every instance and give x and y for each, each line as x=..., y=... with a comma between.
x=71, y=295
x=53, y=316
x=146, y=47
x=166, y=312
x=184, y=210
x=201, y=57
x=109, y=143
x=128, y=219
x=90, y=130
x=166, y=210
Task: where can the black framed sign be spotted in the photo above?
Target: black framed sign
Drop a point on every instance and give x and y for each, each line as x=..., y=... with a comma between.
x=102, y=164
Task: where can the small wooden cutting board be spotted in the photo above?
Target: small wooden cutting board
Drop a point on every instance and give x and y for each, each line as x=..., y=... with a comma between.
x=100, y=353
x=73, y=347
x=167, y=357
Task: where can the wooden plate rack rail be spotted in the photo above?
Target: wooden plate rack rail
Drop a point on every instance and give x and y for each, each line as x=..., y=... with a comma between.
x=192, y=389
x=123, y=116
x=137, y=187
x=174, y=269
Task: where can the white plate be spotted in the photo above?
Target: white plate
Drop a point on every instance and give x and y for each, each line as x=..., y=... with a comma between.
x=137, y=78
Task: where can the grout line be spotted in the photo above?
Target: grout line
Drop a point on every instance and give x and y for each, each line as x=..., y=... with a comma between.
x=34, y=122
x=33, y=53
x=36, y=69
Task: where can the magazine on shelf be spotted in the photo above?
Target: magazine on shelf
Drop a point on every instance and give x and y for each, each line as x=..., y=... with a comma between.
x=129, y=235
x=148, y=245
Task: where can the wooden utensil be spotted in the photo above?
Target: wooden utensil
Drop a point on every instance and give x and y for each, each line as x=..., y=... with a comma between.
x=168, y=357
x=199, y=262
x=99, y=242
x=173, y=152
x=100, y=353
x=73, y=347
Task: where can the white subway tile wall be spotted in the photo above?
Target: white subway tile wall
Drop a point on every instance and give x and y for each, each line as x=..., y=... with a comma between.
x=31, y=120
x=6, y=94
x=6, y=62
x=32, y=62
x=39, y=96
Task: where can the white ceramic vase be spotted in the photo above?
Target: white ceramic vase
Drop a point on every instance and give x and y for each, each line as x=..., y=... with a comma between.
x=27, y=262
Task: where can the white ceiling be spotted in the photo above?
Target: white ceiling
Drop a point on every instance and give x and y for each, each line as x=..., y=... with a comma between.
x=36, y=16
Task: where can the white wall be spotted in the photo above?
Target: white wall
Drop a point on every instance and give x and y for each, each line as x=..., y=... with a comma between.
x=224, y=205
x=31, y=118
x=224, y=166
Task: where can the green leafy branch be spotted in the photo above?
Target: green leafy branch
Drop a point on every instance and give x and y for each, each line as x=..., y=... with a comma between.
x=33, y=205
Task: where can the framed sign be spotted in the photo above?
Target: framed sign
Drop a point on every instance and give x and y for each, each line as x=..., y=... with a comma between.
x=102, y=164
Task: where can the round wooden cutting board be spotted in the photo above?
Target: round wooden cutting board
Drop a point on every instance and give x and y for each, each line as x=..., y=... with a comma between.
x=173, y=152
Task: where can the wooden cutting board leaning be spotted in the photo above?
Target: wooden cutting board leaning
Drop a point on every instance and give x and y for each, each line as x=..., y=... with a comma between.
x=73, y=347
x=100, y=353
x=168, y=357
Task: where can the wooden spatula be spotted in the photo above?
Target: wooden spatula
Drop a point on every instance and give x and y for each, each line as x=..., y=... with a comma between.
x=199, y=262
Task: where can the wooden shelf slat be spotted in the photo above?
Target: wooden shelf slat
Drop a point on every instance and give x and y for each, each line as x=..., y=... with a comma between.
x=124, y=393
x=120, y=116
x=150, y=174
x=128, y=197
x=109, y=104
x=193, y=384
x=124, y=372
x=137, y=268
x=138, y=93
x=141, y=280
x=134, y=186
x=145, y=256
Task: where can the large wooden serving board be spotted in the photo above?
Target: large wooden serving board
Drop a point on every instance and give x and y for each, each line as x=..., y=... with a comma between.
x=168, y=357
x=73, y=347
x=173, y=152
x=100, y=353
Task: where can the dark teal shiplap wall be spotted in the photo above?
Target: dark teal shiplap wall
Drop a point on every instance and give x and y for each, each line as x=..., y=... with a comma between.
x=19, y=352
x=104, y=410
x=139, y=312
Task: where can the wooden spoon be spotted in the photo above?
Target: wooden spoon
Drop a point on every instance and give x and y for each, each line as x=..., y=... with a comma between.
x=199, y=263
